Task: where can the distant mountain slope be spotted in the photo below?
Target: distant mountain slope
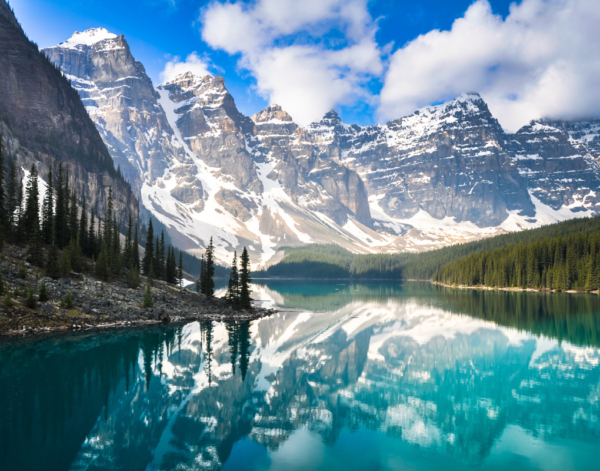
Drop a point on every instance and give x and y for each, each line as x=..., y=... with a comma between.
x=43, y=121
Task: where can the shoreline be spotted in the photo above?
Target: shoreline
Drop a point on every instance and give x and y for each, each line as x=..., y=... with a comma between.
x=515, y=289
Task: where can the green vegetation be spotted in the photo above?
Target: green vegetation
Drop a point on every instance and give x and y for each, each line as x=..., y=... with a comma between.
x=332, y=261
x=558, y=263
x=148, y=299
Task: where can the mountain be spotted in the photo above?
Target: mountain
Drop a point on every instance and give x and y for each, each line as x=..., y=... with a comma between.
x=43, y=121
x=444, y=174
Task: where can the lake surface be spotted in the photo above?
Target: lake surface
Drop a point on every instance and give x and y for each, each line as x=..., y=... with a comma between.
x=346, y=377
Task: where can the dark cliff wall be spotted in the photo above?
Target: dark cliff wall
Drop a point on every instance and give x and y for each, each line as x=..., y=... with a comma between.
x=43, y=121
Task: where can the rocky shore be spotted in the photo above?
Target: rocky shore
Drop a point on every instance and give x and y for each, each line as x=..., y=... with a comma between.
x=102, y=305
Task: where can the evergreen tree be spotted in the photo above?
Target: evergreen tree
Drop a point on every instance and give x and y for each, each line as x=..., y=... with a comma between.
x=3, y=203
x=148, y=300
x=60, y=217
x=245, y=280
x=108, y=220
x=73, y=218
x=149, y=253
x=91, y=239
x=83, y=228
x=35, y=253
x=135, y=250
x=11, y=195
x=43, y=294
x=180, y=270
x=32, y=204
x=233, y=287
x=52, y=264
x=161, y=257
x=133, y=278
x=48, y=210
x=209, y=271
x=127, y=250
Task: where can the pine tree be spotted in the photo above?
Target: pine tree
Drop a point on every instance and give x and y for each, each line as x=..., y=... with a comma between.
x=245, y=280
x=180, y=270
x=127, y=261
x=108, y=220
x=209, y=271
x=148, y=300
x=11, y=195
x=135, y=250
x=73, y=218
x=43, y=294
x=83, y=228
x=3, y=205
x=161, y=257
x=233, y=287
x=32, y=204
x=35, y=253
x=149, y=253
x=52, y=265
x=102, y=264
x=59, y=214
x=48, y=210
x=91, y=238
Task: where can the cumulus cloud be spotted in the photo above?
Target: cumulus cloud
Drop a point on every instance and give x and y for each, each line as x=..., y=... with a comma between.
x=306, y=56
x=192, y=63
x=542, y=60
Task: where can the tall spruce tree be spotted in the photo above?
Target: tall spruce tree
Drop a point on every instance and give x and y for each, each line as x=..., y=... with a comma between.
x=59, y=214
x=11, y=195
x=3, y=205
x=108, y=220
x=73, y=217
x=180, y=270
x=83, y=228
x=245, y=280
x=48, y=210
x=91, y=239
x=233, y=287
x=135, y=250
x=32, y=204
x=127, y=261
x=209, y=271
x=149, y=253
x=161, y=257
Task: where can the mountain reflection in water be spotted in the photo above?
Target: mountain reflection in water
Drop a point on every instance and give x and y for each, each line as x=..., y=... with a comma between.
x=355, y=377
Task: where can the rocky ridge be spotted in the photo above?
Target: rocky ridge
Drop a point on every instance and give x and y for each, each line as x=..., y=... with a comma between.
x=43, y=122
x=444, y=174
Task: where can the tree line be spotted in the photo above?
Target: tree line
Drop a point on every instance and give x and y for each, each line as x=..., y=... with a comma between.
x=61, y=238
x=555, y=263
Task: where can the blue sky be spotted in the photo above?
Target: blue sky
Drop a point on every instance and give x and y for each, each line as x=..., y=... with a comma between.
x=372, y=60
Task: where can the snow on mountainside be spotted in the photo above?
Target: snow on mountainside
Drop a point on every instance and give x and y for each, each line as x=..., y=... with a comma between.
x=445, y=174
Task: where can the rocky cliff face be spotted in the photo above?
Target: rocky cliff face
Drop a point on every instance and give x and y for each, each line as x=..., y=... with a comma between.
x=44, y=122
x=121, y=100
x=444, y=174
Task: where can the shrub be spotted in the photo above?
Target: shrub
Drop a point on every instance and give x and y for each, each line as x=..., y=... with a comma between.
x=133, y=278
x=22, y=273
x=67, y=301
x=43, y=294
x=30, y=302
x=8, y=302
x=148, y=300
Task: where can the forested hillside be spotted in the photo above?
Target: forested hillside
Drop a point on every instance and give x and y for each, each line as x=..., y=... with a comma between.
x=331, y=261
x=558, y=263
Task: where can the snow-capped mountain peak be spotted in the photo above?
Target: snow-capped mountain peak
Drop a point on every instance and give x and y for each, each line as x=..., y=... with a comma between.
x=88, y=37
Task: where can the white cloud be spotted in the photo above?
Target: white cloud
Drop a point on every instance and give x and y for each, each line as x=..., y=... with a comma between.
x=193, y=63
x=281, y=43
x=543, y=60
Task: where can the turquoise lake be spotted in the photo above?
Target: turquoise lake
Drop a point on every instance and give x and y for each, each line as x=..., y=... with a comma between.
x=346, y=377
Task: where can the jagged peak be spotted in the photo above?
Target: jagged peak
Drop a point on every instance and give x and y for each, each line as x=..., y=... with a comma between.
x=88, y=37
x=187, y=80
x=272, y=114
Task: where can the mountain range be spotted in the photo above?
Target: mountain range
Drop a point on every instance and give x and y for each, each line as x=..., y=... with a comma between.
x=445, y=174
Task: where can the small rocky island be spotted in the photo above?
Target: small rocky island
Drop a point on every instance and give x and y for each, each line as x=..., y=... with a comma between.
x=97, y=304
